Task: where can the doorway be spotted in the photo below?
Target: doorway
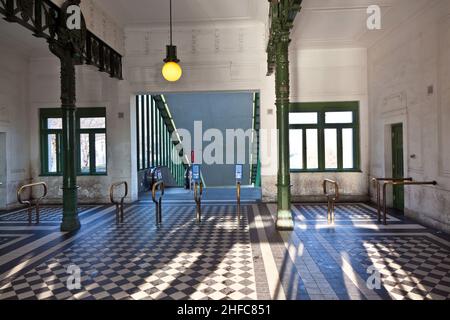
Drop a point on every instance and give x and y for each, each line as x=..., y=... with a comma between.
x=219, y=130
x=3, y=184
x=397, y=165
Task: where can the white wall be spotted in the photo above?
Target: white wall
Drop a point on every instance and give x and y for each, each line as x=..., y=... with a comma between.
x=100, y=24
x=326, y=75
x=229, y=57
x=94, y=89
x=214, y=57
x=14, y=121
x=402, y=66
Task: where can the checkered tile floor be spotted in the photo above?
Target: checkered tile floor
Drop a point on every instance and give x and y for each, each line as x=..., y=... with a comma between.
x=4, y=240
x=136, y=261
x=46, y=214
x=221, y=258
x=343, y=212
x=410, y=266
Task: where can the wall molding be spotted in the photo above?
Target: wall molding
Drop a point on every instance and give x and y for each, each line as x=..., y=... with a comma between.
x=394, y=104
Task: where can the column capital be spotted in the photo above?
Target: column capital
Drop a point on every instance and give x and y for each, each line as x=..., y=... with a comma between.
x=282, y=16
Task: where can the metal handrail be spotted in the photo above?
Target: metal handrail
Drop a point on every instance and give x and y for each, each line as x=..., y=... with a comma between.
x=119, y=204
x=198, y=199
x=400, y=183
x=159, y=186
x=331, y=198
x=29, y=202
x=377, y=185
x=238, y=198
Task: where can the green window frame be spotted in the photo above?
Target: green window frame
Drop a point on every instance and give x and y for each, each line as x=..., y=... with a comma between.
x=316, y=134
x=91, y=133
x=45, y=134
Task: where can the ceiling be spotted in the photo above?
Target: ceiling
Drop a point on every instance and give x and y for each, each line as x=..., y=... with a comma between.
x=21, y=41
x=342, y=23
x=138, y=12
x=320, y=24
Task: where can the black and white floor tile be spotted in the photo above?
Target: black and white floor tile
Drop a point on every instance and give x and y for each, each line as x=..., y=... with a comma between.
x=222, y=258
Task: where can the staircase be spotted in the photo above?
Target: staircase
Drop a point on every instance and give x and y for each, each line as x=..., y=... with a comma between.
x=177, y=169
x=255, y=157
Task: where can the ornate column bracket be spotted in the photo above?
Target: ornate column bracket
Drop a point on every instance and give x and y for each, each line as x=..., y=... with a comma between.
x=281, y=18
x=72, y=47
x=282, y=15
x=42, y=18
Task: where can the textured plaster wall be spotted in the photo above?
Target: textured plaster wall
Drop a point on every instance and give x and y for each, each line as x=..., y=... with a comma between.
x=94, y=89
x=230, y=57
x=14, y=123
x=215, y=57
x=403, y=67
x=323, y=75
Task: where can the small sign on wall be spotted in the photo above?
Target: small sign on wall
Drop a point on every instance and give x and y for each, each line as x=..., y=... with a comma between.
x=238, y=173
x=196, y=172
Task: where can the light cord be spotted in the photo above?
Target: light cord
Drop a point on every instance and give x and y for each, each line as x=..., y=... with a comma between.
x=170, y=22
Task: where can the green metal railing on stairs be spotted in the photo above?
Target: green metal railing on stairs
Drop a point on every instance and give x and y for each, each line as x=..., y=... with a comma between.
x=255, y=158
x=155, y=132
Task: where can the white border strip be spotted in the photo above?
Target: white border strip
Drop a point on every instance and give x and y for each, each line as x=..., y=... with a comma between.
x=20, y=238
x=270, y=266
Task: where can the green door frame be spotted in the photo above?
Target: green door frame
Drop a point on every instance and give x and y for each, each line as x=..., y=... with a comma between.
x=398, y=165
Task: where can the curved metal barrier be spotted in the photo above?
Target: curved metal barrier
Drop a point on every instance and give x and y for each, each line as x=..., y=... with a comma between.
x=158, y=186
x=198, y=192
x=377, y=185
x=29, y=202
x=119, y=204
x=400, y=183
x=331, y=198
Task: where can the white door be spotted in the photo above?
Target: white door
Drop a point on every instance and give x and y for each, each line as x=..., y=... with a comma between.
x=2, y=171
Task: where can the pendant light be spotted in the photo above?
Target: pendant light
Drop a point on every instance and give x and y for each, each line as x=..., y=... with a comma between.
x=171, y=70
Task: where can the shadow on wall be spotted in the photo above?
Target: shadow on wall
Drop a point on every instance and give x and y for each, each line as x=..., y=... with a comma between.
x=219, y=111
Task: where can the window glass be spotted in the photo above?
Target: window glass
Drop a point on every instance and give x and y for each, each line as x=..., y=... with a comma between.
x=296, y=149
x=54, y=123
x=331, y=161
x=329, y=132
x=84, y=153
x=339, y=117
x=52, y=156
x=312, y=154
x=93, y=123
x=89, y=127
x=100, y=153
x=347, y=148
x=303, y=118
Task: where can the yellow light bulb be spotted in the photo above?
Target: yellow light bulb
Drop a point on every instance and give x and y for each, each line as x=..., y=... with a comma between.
x=172, y=71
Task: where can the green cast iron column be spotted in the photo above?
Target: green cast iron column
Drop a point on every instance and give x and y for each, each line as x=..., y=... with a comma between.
x=70, y=220
x=284, y=215
x=68, y=47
